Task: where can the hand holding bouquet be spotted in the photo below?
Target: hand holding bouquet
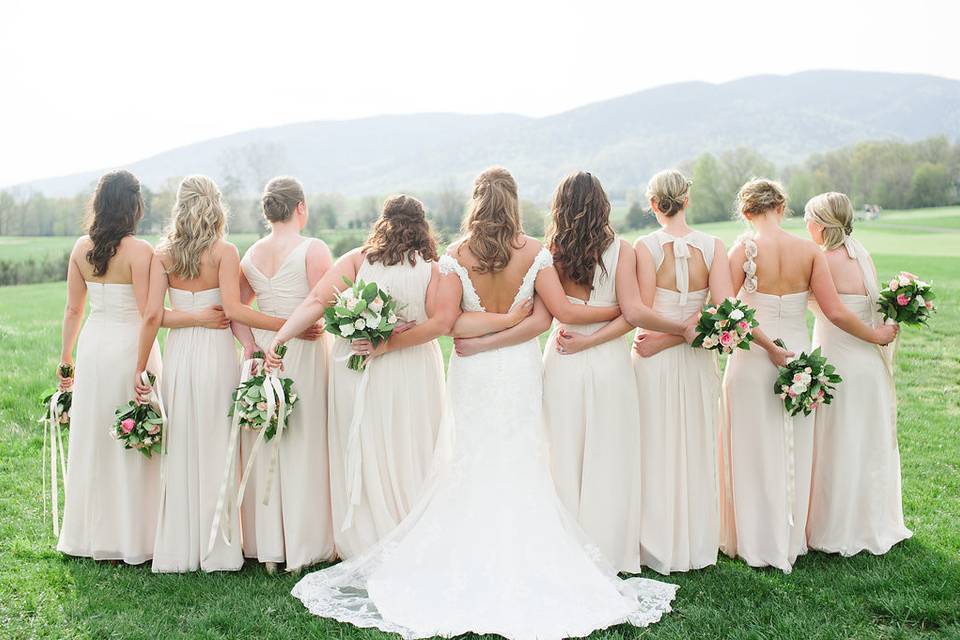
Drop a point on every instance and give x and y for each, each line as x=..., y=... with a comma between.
x=726, y=326
x=806, y=382
x=140, y=425
x=361, y=311
x=907, y=299
x=57, y=403
x=260, y=399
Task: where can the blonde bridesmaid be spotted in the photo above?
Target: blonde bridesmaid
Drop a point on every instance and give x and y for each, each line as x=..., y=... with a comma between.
x=855, y=501
x=200, y=373
x=767, y=456
x=111, y=493
x=292, y=523
x=589, y=412
x=383, y=424
x=679, y=387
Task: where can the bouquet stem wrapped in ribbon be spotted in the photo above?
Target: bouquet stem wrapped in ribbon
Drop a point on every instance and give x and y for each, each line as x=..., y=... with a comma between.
x=262, y=402
x=361, y=311
x=805, y=383
x=55, y=420
x=142, y=426
x=726, y=326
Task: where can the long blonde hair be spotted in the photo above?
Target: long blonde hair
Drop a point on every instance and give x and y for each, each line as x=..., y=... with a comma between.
x=198, y=220
x=492, y=226
x=834, y=212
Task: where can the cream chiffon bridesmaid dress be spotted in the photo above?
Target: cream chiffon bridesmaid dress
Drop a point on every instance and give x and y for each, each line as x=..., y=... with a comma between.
x=855, y=499
x=590, y=409
x=766, y=454
x=201, y=369
x=679, y=390
x=295, y=525
x=112, y=493
x=400, y=400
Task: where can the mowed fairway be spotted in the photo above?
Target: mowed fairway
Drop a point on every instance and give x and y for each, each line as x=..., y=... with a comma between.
x=912, y=591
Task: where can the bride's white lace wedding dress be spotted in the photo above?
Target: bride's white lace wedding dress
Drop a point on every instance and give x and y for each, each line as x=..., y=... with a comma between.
x=489, y=547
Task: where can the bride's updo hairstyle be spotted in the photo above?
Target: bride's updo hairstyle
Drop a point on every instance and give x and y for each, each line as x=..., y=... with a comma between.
x=400, y=233
x=580, y=228
x=280, y=198
x=198, y=220
x=112, y=215
x=760, y=195
x=669, y=190
x=834, y=212
x=492, y=226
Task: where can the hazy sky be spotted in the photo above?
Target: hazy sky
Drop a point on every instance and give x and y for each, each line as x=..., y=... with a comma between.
x=89, y=84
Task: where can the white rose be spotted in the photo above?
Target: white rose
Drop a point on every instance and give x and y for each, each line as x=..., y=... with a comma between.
x=376, y=305
x=919, y=299
x=346, y=329
x=392, y=318
x=147, y=441
x=351, y=304
x=360, y=324
x=894, y=285
x=736, y=314
x=709, y=342
x=904, y=280
x=798, y=388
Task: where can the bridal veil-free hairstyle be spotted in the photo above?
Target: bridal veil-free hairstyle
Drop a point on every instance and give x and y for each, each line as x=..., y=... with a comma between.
x=580, y=228
x=834, y=212
x=280, y=198
x=400, y=233
x=492, y=226
x=112, y=214
x=669, y=190
x=760, y=195
x=198, y=220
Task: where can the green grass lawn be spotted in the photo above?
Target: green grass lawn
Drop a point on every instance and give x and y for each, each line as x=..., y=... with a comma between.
x=912, y=591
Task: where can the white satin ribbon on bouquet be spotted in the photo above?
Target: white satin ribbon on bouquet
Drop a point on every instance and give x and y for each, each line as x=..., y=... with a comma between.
x=354, y=456
x=791, y=471
x=276, y=405
x=157, y=402
x=52, y=432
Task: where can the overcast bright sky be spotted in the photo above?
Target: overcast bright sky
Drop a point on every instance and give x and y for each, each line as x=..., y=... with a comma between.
x=88, y=84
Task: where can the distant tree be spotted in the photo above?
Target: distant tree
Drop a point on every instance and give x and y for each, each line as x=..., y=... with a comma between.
x=710, y=199
x=7, y=211
x=931, y=186
x=636, y=216
x=533, y=218
x=449, y=209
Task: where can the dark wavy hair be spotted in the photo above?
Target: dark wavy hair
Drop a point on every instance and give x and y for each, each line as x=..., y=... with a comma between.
x=112, y=215
x=580, y=228
x=400, y=233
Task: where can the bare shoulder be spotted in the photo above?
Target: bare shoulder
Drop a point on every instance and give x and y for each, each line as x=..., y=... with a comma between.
x=82, y=245
x=137, y=247
x=318, y=247
x=453, y=249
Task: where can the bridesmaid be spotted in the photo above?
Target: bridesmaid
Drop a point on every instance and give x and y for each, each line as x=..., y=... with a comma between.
x=767, y=456
x=112, y=493
x=390, y=443
x=679, y=388
x=595, y=446
x=201, y=371
x=855, y=502
x=292, y=524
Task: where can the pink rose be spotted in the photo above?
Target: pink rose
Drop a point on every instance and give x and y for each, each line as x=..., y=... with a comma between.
x=127, y=425
x=743, y=325
x=797, y=377
x=903, y=300
x=154, y=429
x=909, y=275
x=791, y=393
x=726, y=339
x=928, y=304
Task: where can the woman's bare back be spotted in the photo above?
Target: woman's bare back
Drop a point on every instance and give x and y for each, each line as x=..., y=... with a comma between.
x=784, y=263
x=209, y=277
x=846, y=272
x=269, y=254
x=497, y=290
x=120, y=266
x=698, y=269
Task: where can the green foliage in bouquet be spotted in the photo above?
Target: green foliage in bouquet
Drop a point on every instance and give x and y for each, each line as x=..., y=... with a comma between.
x=726, y=326
x=907, y=299
x=250, y=400
x=362, y=310
x=64, y=402
x=806, y=382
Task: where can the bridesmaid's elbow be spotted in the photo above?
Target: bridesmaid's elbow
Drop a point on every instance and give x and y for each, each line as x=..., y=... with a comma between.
x=153, y=318
x=634, y=314
x=233, y=311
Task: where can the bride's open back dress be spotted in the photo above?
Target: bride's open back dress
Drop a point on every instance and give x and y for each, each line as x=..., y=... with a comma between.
x=489, y=547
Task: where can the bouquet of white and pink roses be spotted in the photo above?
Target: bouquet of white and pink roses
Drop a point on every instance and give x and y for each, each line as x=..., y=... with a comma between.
x=907, y=299
x=362, y=310
x=259, y=400
x=726, y=326
x=140, y=426
x=806, y=382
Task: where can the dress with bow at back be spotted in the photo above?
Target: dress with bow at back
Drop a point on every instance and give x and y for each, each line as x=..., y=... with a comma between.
x=591, y=417
x=855, y=494
x=400, y=406
x=679, y=390
x=201, y=369
x=295, y=526
x=766, y=454
x=112, y=493
x=489, y=547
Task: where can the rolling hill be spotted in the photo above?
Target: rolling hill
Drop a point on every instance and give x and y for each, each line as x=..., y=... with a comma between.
x=623, y=140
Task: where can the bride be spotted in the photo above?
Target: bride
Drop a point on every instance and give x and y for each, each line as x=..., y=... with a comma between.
x=488, y=548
